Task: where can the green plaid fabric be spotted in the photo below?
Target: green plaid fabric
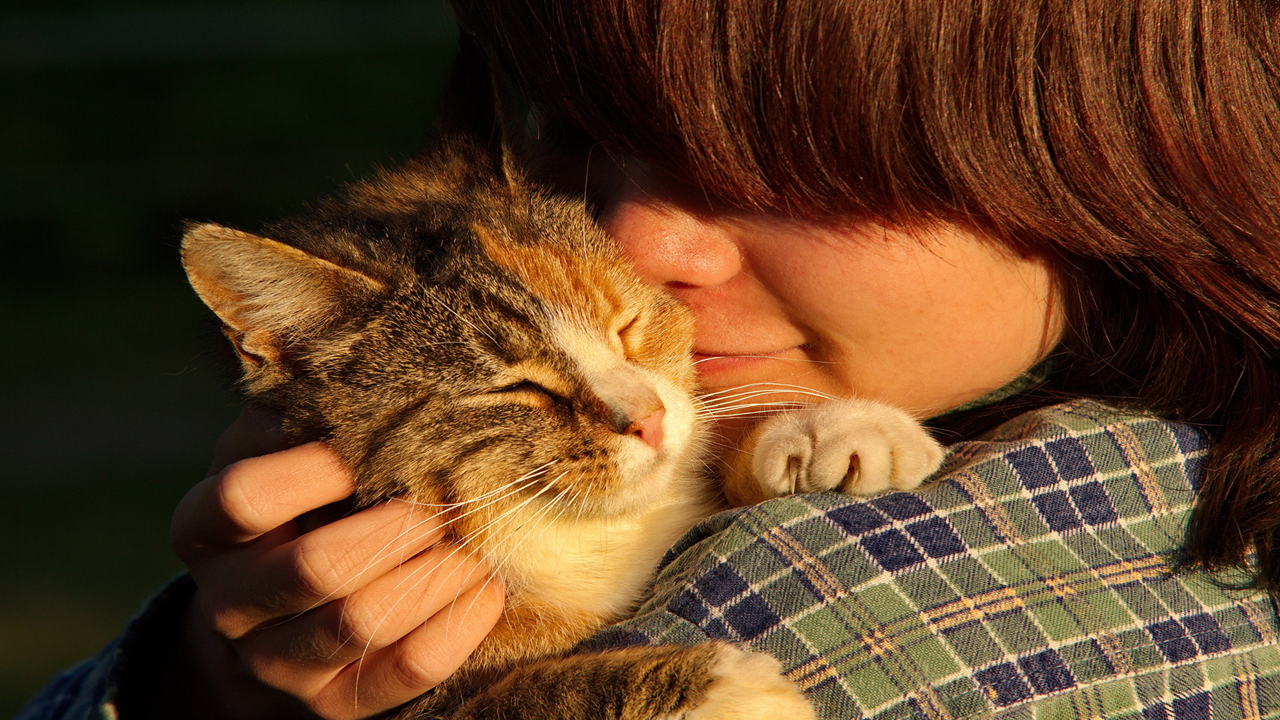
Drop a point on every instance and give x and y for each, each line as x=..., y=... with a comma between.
x=1031, y=580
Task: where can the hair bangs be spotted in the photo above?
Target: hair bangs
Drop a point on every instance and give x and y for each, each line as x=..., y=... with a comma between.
x=802, y=108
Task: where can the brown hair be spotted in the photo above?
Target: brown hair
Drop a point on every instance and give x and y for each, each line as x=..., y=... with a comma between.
x=1136, y=143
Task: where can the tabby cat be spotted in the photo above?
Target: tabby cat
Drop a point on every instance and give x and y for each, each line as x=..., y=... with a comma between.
x=471, y=342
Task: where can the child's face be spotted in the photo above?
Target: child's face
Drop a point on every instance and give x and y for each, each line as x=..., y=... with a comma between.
x=926, y=320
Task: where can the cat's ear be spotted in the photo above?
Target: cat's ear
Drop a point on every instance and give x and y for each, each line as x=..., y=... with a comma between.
x=472, y=105
x=267, y=294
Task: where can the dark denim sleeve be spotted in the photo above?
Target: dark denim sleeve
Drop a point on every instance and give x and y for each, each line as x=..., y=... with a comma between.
x=89, y=690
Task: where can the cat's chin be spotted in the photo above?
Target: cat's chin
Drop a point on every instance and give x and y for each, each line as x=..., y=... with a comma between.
x=667, y=483
x=595, y=558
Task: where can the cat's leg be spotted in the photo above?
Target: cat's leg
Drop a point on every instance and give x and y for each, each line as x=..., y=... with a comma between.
x=710, y=681
x=857, y=446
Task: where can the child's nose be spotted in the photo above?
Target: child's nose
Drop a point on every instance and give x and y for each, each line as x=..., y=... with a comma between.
x=669, y=233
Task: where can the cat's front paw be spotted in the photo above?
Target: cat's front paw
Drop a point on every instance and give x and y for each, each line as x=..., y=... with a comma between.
x=857, y=446
x=750, y=686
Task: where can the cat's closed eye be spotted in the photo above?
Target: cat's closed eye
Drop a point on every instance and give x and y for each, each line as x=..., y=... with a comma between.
x=534, y=393
x=628, y=338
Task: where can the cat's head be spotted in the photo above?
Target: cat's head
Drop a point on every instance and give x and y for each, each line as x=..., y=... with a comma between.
x=457, y=334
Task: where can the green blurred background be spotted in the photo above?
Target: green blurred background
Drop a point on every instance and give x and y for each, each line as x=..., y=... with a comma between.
x=119, y=120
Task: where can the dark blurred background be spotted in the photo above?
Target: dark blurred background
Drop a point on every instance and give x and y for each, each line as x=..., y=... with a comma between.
x=119, y=119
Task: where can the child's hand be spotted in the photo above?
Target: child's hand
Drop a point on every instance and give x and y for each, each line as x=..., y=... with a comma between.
x=350, y=619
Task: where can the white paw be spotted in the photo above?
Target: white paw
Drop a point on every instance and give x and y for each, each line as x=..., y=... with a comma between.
x=750, y=686
x=857, y=446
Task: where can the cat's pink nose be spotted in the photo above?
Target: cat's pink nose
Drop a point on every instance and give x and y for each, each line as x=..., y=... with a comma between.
x=649, y=429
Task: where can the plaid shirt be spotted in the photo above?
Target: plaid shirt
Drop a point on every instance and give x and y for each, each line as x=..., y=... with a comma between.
x=1032, y=579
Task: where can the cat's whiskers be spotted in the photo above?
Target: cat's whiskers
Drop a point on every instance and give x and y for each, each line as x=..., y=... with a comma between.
x=767, y=387
x=501, y=564
x=493, y=521
x=753, y=409
x=498, y=565
x=532, y=474
x=529, y=479
x=719, y=446
x=729, y=399
x=807, y=361
x=739, y=401
x=460, y=544
x=504, y=491
x=557, y=502
x=730, y=402
x=429, y=572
